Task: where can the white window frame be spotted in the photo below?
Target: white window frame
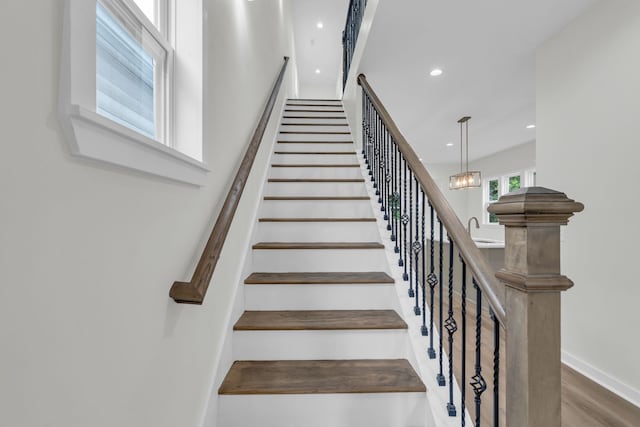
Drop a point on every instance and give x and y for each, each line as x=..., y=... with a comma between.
x=154, y=40
x=178, y=155
x=527, y=179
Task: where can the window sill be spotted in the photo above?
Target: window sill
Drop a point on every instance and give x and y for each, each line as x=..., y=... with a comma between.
x=96, y=137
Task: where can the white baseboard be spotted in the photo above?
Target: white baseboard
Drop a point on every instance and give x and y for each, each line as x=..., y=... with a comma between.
x=613, y=384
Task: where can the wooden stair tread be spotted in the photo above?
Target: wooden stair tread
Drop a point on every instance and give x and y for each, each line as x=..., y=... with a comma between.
x=315, y=142
x=311, y=165
x=289, y=110
x=316, y=180
x=318, y=153
x=318, y=245
x=317, y=220
x=310, y=132
x=319, y=278
x=315, y=198
x=321, y=377
x=314, y=105
x=314, y=99
x=319, y=320
x=316, y=117
x=314, y=124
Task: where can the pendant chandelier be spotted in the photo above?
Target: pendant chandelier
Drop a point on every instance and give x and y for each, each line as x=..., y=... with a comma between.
x=466, y=178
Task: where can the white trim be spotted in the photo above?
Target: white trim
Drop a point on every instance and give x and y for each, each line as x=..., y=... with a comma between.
x=612, y=384
x=96, y=137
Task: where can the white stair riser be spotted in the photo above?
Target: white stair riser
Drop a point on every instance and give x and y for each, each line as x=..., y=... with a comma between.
x=309, y=159
x=316, y=209
x=317, y=232
x=303, y=119
x=300, y=128
x=314, y=136
x=276, y=260
x=321, y=297
x=313, y=107
x=320, y=345
x=315, y=148
x=315, y=189
x=335, y=102
x=316, y=173
x=323, y=410
x=314, y=114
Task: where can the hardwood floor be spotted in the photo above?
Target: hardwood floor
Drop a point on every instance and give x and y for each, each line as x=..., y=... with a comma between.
x=584, y=402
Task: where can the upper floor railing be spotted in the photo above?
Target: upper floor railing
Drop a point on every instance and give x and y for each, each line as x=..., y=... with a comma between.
x=440, y=261
x=350, y=35
x=194, y=291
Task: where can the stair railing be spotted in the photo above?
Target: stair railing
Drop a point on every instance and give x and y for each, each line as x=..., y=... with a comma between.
x=194, y=291
x=523, y=298
x=350, y=35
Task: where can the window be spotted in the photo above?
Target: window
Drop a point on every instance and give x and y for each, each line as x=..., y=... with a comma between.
x=123, y=99
x=501, y=185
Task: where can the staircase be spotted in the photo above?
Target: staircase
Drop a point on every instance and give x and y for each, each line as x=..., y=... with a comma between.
x=320, y=342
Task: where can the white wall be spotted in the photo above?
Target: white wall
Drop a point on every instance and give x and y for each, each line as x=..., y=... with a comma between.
x=588, y=146
x=515, y=159
x=88, y=252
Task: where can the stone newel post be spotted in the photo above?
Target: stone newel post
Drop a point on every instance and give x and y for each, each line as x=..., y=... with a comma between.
x=532, y=218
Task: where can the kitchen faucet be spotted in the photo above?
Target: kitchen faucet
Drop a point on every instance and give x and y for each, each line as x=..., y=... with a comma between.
x=473, y=218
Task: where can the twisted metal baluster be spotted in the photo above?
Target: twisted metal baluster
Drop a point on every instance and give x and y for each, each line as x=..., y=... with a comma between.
x=405, y=221
x=417, y=248
x=380, y=177
x=433, y=281
x=463, y=377
x=440, y=377
x=394, y=194
x=424, y=331
x=387, y=169
x=364, y=103
x=410, y=241
x=452, y=327
x=496, y=370
x=477, y=381
x=398, y=200
x=376, y=152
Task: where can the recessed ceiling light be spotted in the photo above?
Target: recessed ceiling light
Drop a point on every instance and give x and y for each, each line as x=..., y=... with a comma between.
x=320, y=25
x=449, y=144
x=317, y=70
x=435, y=72
x=531, y=126
x=421, y=159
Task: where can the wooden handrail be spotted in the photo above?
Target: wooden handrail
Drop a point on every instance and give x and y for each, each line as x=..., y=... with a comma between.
x=194, y=291
x=475, y=261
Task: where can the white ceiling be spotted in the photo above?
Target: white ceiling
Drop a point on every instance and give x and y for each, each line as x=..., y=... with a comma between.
x=319, y=48
x=487, y=51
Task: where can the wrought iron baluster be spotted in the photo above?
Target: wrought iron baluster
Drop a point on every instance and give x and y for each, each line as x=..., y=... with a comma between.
x=389, y=178
x=463, y=377
x=405, y=221
x=398, y=189
x=496, y=370
x=364, y=103
x=433, y=281
x=423, y=330
x=452, y=327
x=477, y=381
x=417, y=249
x=440, y=377
x=376, y=152
x=410, y=240
x=383, y=171
x=394, y=194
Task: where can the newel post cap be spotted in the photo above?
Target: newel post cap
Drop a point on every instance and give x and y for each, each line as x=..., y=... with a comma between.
x=535, y=205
